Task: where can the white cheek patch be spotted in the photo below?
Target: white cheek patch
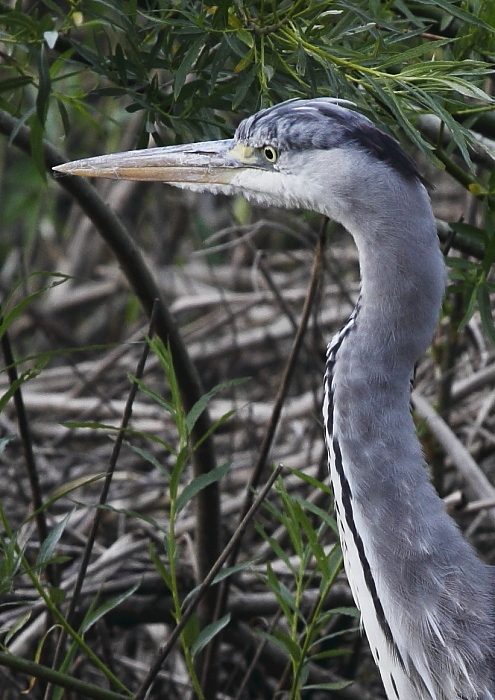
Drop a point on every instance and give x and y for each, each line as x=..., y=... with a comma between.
x=275, y=188
x=205, y=187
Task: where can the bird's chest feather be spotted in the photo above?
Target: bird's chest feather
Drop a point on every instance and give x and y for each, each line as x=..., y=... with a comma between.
x=364, y=582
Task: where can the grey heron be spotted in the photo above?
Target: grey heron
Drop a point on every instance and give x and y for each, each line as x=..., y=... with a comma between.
x=427, y=601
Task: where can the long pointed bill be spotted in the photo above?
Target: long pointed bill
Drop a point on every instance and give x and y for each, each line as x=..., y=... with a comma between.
x=210, y=162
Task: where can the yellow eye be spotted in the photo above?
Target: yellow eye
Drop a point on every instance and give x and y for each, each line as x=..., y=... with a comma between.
x=270, y=154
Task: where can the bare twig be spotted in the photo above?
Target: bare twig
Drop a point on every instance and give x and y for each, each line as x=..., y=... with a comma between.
x=27, y=446
x=466, y=465
x=65, y=680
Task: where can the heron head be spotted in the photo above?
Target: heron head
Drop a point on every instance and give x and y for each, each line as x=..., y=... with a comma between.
x=315, y=154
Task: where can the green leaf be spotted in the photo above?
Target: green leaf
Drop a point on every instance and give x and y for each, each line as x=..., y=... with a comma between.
x=9, y=315
x=166, y=405
x=57, y=595
x=334, y=565
x=10, y=84
x=176, y=473
x=203, y=402
x=231, y=570
x=285, y=598
x=64, y=116
x=186, y=65
x=44, y=86
x=213, y=427
x=149, y=457
x=336, y=685
x=199, y=483
x=279, y=552
x=453, y=9
x=160, y=567
x=484, y=305
x=120, y=64
x=93, y=616
x=308, y=479
x=473, y=233
x=4, y=441
x=246, y=80
x=322, y=514
x=345, y=610
x=316, y=548
x=16, y=627
x=207, y=634
x=48, y=546
x=225, y=573
x=284, y=642
x=190, y=632
x=16, y=384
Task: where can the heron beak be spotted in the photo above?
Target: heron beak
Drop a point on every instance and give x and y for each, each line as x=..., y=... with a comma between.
x=210, y=162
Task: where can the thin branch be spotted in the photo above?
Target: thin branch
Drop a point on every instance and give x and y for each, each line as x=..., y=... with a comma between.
x=466, y=465
x=32, y=669
x=27, y=446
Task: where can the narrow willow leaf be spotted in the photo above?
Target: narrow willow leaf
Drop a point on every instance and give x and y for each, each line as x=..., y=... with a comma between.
x=415, y=52
x=191, y=632
x=225, y=573
x=166, y=405
x=483, y=298
x=17, y=383
x=4, y=441
x=275, y=546
x=322, y=514
x=308, y=479
x=213, y=427
x=199, y=483
x=161, y=568
x=48, y=546
x=316, y=548
x=471, y=232
x=57, y=595
x=64, y=116
x=335, y=563
x=337, y=685
x=93, y=616
x=207, y=634
x=120, y=63
x=284, y=642
x=346, y=610
x=471, y=305
x=149, y=457
x=203, y=402
x=8, y=315
x=10, y=84
x=16, y=627
x=246, y=79
x=185, y=67
x=453, y=9
x=44, y=86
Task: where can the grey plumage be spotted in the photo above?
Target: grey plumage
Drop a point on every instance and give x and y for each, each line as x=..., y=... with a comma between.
x=427, y=601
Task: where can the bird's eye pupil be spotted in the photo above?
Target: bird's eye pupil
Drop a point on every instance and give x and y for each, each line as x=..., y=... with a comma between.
x=270, y=154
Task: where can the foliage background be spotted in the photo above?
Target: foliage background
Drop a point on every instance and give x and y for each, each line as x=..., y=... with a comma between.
x=90, y=77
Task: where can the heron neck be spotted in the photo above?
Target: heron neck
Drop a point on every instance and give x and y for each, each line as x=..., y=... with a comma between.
x=402, y=285
x=410, y=570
